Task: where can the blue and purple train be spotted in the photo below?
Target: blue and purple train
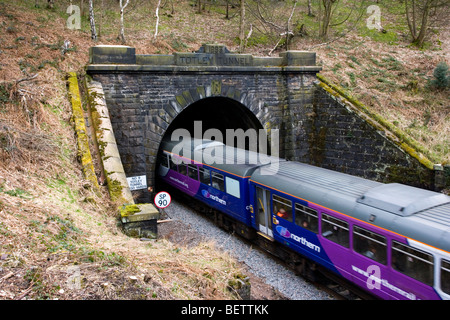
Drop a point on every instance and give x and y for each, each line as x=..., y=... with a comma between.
x=391, y=240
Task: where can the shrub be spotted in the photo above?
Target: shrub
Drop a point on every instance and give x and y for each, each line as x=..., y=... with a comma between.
x=441, y=76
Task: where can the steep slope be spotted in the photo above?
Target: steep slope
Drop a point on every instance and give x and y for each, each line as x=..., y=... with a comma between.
x=58, y=239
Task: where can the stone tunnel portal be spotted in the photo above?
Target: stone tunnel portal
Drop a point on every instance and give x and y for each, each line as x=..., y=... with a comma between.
x=150, y=96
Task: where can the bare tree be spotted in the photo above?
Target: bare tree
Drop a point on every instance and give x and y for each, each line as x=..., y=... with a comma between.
x=420, y=14
x=330, y=11
x=157, y=18
x=122, y=29
x=325, y=18
x=275, y=22
x=92, y=20
x=163, y=5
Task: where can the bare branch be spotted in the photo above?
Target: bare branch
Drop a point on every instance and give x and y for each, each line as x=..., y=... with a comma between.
x=292, y=13
x=274, y=48
x=261, y=17
x=27, y=79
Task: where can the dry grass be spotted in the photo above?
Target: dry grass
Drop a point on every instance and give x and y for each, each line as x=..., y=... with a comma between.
x=51, y=222
x=392, y=81
x=47, y=229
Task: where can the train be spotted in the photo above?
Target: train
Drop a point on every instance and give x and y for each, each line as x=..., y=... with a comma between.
x=390, y=240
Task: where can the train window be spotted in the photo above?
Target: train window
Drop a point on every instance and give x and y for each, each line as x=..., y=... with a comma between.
x=232, y=186
x=217, y=181
x=173, y=165
x=445, y=276
x=335, y=230
x=163, y=160
x=282, y=207
x=205, y=176
x=412, y=262
x=192, y=172
x=370, y=244
x=182, y=168
x=306, y=217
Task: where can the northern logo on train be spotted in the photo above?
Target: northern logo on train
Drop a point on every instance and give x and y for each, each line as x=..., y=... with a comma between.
x=208, y=195
x=283, y=231
x=205, y=193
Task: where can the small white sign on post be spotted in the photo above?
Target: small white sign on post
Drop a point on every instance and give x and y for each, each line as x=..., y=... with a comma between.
x=137, y=183
x=162, y=199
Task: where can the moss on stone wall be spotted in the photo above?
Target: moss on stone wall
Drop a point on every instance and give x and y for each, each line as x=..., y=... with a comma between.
x=128, y=210
x=84, y=153
x=410, y=176
x=116, y=188
x=397, y=136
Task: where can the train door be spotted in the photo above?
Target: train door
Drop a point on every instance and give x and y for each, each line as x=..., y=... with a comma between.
x=264, y=219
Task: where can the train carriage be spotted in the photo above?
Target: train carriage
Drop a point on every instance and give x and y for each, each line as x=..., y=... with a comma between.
x=222, y=185
x=391, y=240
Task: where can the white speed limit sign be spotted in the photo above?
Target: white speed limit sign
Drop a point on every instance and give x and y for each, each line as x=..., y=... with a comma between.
x=162, y=199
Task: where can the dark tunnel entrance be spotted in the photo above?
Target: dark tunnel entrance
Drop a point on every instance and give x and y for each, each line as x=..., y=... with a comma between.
x=215, y=113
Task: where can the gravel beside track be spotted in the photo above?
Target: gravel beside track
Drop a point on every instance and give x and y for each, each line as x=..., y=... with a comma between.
x=262, y=266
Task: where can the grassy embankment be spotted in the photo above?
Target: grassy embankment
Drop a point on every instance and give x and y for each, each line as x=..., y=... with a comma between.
x=51, y=222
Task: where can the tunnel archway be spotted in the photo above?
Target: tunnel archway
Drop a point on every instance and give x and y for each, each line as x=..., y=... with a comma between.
x=219, y=113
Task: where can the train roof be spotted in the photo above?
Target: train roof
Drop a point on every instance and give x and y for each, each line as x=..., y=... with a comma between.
x=416, y=213
x=236, y=161
x=412, y=212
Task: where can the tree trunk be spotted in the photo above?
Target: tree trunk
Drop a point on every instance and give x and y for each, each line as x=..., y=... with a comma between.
x=289, y=33
x=423, y=28
x=122, y=28
x=227, y=16
x=410, y=19
x=326, y=18
x=242, y=27
x=157, y=19
x=82, y=7
x=92, y=20
x=310, y=8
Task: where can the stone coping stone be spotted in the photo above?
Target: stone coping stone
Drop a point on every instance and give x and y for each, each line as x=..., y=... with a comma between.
x=112, y=55
x=112, y=68
x=147, y=212
x=207, y=55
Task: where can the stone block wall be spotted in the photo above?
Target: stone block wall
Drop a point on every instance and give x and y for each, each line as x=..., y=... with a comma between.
x=340, y=137
x=316, y=124
x=144, y=98
x=142, y=106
